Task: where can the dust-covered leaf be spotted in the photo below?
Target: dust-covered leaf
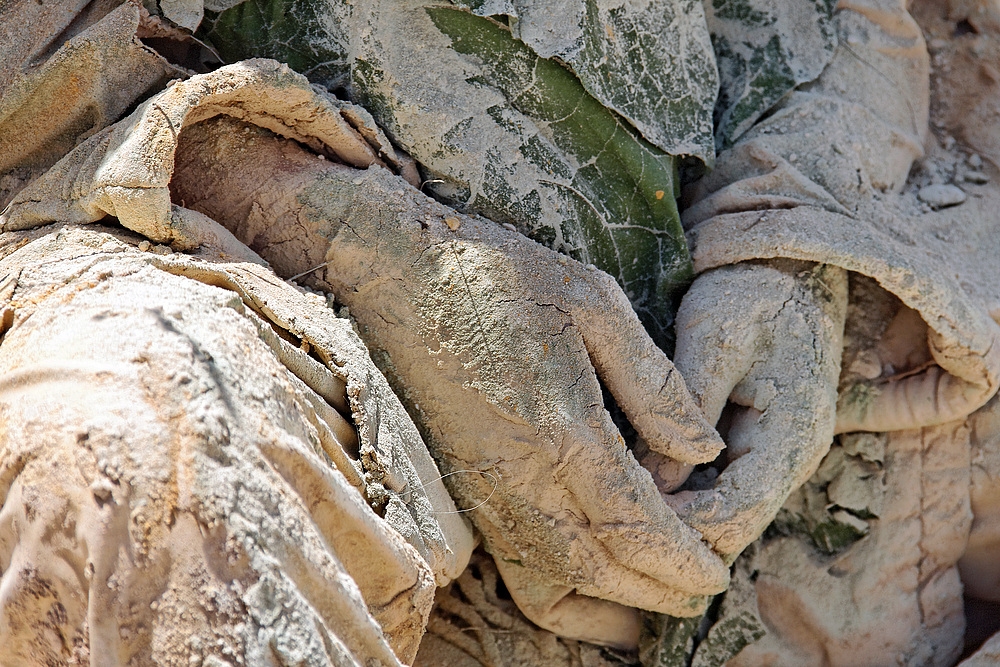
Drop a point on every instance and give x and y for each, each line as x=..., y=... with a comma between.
x=651, y=62
x=667, y=641
x=307, y=35
x=764, y=49
x=615, y=189
x=737, y=622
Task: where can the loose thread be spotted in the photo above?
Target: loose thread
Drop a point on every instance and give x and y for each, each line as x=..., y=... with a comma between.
x=496, y=484
x=306, y=273
x=170, y=123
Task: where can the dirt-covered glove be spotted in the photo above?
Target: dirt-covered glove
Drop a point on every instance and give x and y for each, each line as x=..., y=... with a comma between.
x=813, y=182
x=180, y=482
x=495, y=342
x=766, y=337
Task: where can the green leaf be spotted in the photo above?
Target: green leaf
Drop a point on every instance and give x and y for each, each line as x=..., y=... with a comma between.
x=617, y=189
x=737, y=622
x=764, y=49
x=307, y=35
x=666, y=641
x=727, y=637
x=649, y=62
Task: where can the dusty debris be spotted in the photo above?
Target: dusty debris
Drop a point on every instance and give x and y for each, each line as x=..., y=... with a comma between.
x=941, y=195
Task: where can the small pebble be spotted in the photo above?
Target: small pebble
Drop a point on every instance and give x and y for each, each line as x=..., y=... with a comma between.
x=453, y=223
x=162, y=250
x=144, y=246
x=975, y=161
x=941, y=196
x=102, y=488
x=509, y=227
x=867, y=365
x=977, y=177
x=841, y=516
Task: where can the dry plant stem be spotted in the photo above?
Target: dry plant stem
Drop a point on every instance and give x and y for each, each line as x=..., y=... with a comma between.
x=473, y=625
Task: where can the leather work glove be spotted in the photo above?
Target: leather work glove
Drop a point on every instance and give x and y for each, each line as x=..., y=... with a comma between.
x=495, y=343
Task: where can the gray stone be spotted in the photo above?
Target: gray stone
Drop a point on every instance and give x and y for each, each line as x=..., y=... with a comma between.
x=941, y=196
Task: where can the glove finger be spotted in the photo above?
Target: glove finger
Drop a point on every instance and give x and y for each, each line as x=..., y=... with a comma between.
x=639, y=375
x=629, y=519
x=951, y=390
x=779, y=437
x=782, y=447
x=718, y=331
x=559, y=609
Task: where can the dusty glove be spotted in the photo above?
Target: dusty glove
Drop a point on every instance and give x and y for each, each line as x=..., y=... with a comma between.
x=766, y=337
x=494, y=340
x=180, y=483
x=807, y=184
